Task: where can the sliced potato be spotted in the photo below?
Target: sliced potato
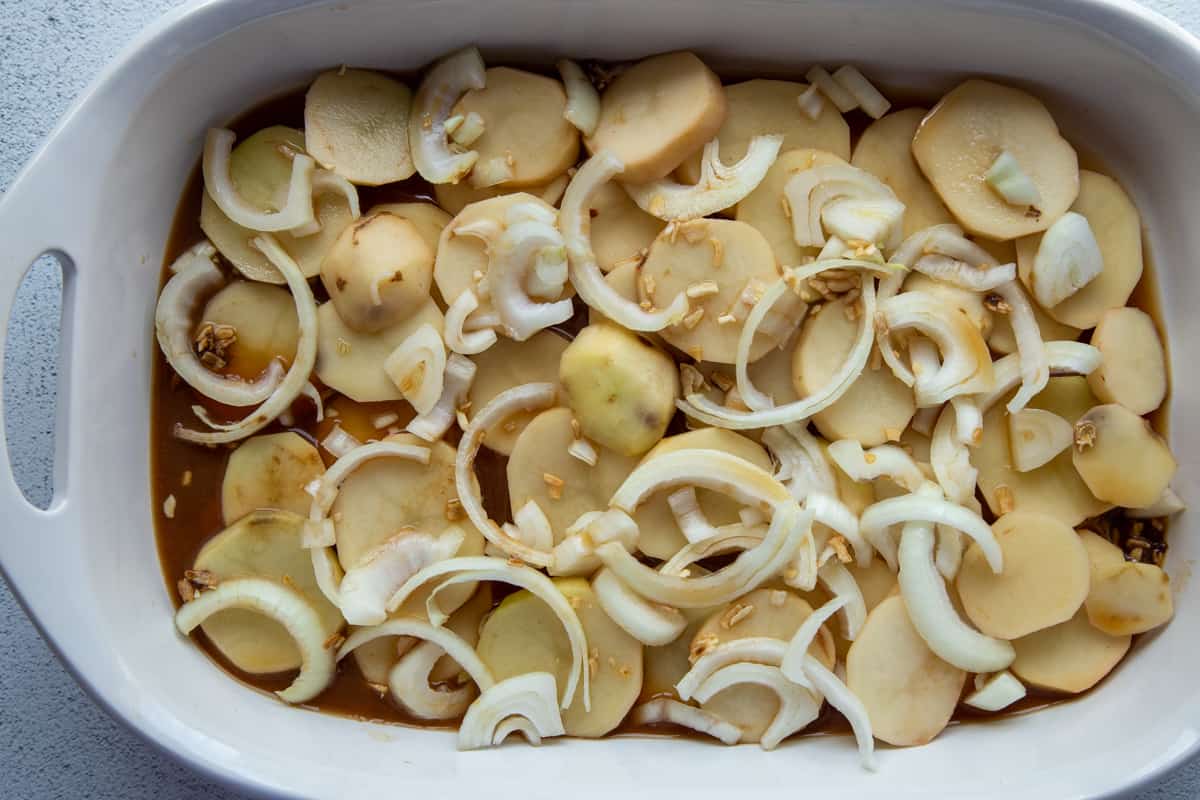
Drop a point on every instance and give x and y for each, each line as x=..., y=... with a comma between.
x=1129, y=598
x=376, y=658
x=264, y=318
x=507, y=364
x=909, y=693
x=356, y=124
x=429, y=220
x=885, y=151
x=1120, y=457
x=657, y=113
x=1044, y=582
x=664, y=666
x=1133, y=371
x=621, y=231
x=1070, y=657
x=454, y=197
x=266, y=544
x=957, y=142
x=523, y=635
x=269, y=471
x=876, y=581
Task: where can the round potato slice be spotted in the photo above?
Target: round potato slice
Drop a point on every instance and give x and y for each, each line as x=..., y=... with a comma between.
x=454, y=197
x=1070, y=657
x=1133, y=370
x=885, y=151
x=664, y=666
x=356, y=124
x=763, y=107
x=523, y=635
x=1044, y=582
x=261, y=165
x=269, y=471
x=621, y=231
x=909, y=693
x=541, y=469
x=507, y=364
x=958, y=141
x=523, y=126
x=966, y=301
x=1129, y=598
x=1102, y=554
x=877, y=407
x=657, y=113
x=265, y=544
x=264, y=320
x=1120, y=457
x=352, y=362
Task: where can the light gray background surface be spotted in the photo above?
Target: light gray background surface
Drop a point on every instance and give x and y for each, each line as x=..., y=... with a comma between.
x=54, y=741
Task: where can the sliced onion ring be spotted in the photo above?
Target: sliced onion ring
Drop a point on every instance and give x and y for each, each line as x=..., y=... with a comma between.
x=421, y=351
x=408, y=681
x=445, y=82
x=877, y=518
x=1031, y=350
x=297, y=211
x=840, y=582
x=583, y=101
x=649, y=623
x=797, y=706
x=670, y=711
x=792, y=664
x=511, y=261
x=840, y=697
x=685, y=507
x=366, y=587
x=455, y=646
x=530, y=696
x=750, y=649
x=707, y=469
x=882, y=461
x=457, y=337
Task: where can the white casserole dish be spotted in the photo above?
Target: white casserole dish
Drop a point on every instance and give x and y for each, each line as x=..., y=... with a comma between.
x=104, y=187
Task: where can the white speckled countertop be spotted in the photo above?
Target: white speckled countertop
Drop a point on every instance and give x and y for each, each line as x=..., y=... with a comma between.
x=54, y=741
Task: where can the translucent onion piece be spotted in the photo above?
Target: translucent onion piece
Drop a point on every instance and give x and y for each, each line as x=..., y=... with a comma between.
x=720, y=186
x=865, y=95
x=1064, y=358
x=968, y=420
x=840, y=697
x=950, y=458
x=367, y=586
x=999, y=692
x=685, y=506
x=651, y=624
x=455, y=646
x=869, y=210
x=534, y=527
x=575, y=221
x=512, y=257
x=792, y=664
x=946, y=240
x=841, y=584
x=331, y=481
x=1170, y=503
x=297, y=211
x=707, y=469
x=195, y=275
x=445, y=82
x=467, y=130
x=728, y=538
x=883, y=461
x=967, y=276
x=417, y=367
x=584, y=450
x=311, y=393
x=531, y=696
x=1035, y=436
x=803, y=467
x=491, y=172
x=797, y=706
x=878, y=517
x=326, y=182
x=408, y=681
x=576, y=554
x=457, y=337
x=516, y=725
x=456, y=381
x=810, y=102
x=922, y=355
x=283, y=605
x=833, y=513
x=924, y=420
x=837, y=94
x=949, y=551
x=1067, y=259
x=1011, y=182
x=1031, y=350
x=671, y=711
x=583, y=101
x=750, y=649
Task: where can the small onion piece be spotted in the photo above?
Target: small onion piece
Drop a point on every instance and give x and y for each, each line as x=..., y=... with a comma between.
x=445, y=82
x=982, y=278
x=831, y=512
x=671, y=711
x=310, y=391
x=408, y=682
x=418, y=367
x=651, y=624
x=297, y=211
x=883, y=461
x=865, y=95
x=516, y=252
x=803, y=467
x=454, y=645
x=584, y=450
x=1067, y=259
x=533, y=526
x=950, y=458
x=793, y=663
x=685, y=507
x=458, y=338
x=456, y=382
x=837, y=94
x=810, y=102
x=516, y=725
x=1011, y=182
x=751, y=649
x=877, y=518
x=844, y=201
x=583, y=101
x=531, y=696
x=840, y=697
x=576, y=554
x=998, y=692
x=1031, y=350
x=968, y=419
x=797, y=706
x=326, y=182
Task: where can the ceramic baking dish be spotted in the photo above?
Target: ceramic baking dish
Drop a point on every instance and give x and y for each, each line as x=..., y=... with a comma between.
x=102, y=192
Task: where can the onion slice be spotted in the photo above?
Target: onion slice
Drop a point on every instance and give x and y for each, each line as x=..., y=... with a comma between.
x=518, y=254
x=750, y=649
x=672, y=712
x=530, y=696
x=455, y=646
x=417, y=367
x=583, y=101
x=883, y=461
x=455, y=331
x=865, y=95
x=840, y=583
x=445, y=82
x=327, y=182
x=998, y=692
x=651, y=624
x=797, y=706
x=707, y=469
x=728, y=538
x=685, y=506
x=1012, y=183
x=919, y=507
x=792, y=664
x=1067, y=259
x=1062, y=357
x=1031, y=350
x=840, y=697
x=366, y=587
x=297, y=211
x=803, y=467
x=456, y=381
x=949, y=270
x=845, y=201
x=576, y=554
x=408, y=682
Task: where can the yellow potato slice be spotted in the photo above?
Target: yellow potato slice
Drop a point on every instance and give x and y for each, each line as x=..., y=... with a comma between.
x=1070, y=657
x=1044, y=582
x=264, y=318
x=523, y=635
x=957, y=142
x=540, y=460
x=966, y=301
x=664, y=666
x=764, y=107
x=885, y=151
x=1129, y=598
x=621, y=231
x=265, y=544
x=1133, y=371
x=507, y=364
x=352, y=362
x=657, y=113
x=1120, y=457
x=356, y=124
x=877, y=407
x=1117, y=226
x=1054, y=489
x=454, y=197
x=429, y=220
x=909, y=693
x=523, y=126
x=269, y=471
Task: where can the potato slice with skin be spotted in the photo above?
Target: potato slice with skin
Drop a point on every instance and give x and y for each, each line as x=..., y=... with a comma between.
x=624, y=279
x=1120, y=457
x=909, y=693
x=540, y=455
x=961, y=137
x=1044, y=582
x=763, y=107
x=266, y=544
x=352, y=362
x=1070, y=657
x=269, y=471
x=429, y=220
x=1129, y=598
x=664, y=666
x=1133, y=368
x=356, y=124
x=264, y=318
x=885, y=151
x=507, y=364
x=454, y=197
x=877, y=407
x=1102, y=553
x=621, y=231
x=657, y=113
x=522, y=635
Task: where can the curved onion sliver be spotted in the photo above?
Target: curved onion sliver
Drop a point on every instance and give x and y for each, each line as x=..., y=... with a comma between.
x=366, y=587
x=670, y=711
x=707, y=469
x=792, y=664
x=422, y=352
x=883, y=461
x=328, y=182
x=408, y=681
x=877, y=518
x=649, y=623
x=848, y=202
x=685, y=507
x=841, y=584
x=297, y=211
x=456, y=381
x=1064, y=358
x=803, y=467
x=445, y=82
x=530, y=696
x=950, y=458
x=797, y=706
x=454, y=645
x=583, y=101
x=968, y=419
x=1031, y=349
x=753, y=649
x=840, y=697
x=457, y=337
x=945, y=240
x=959, y=273
x=728, y=538
x=576, y=554
x=516, y=253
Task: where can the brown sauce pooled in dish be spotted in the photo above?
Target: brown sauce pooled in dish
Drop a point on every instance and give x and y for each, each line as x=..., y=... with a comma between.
x=187, y=478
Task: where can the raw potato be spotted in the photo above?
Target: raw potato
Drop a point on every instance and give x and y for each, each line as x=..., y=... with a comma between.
x=264, y=544
x=761, y=107
x=1102, y=554
x=621, y=388
x=621, y=231
x=1071, y=657
x=657, y=113
x=1117, y=226
x=1054, y=489
x=352, y=363
x=962, y=136
x=665, y=666
x=1130, y=598
x=429, y=220
x=378, y=272
x=522, y=635
x=540, y=454
x=1001, y=339
x=885, y=151
x=356, y=124
x=523, y=125
x=877, y=407
x=507, y=364
x=376, y=658
x=1133, y=371
x=966, y=301
x=731, y=254
x=264, y=318
x=1120, y=457
x=269, y=471
x=909, y=693
x=454, y=197
x=876, y=582
x=1044, y=582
